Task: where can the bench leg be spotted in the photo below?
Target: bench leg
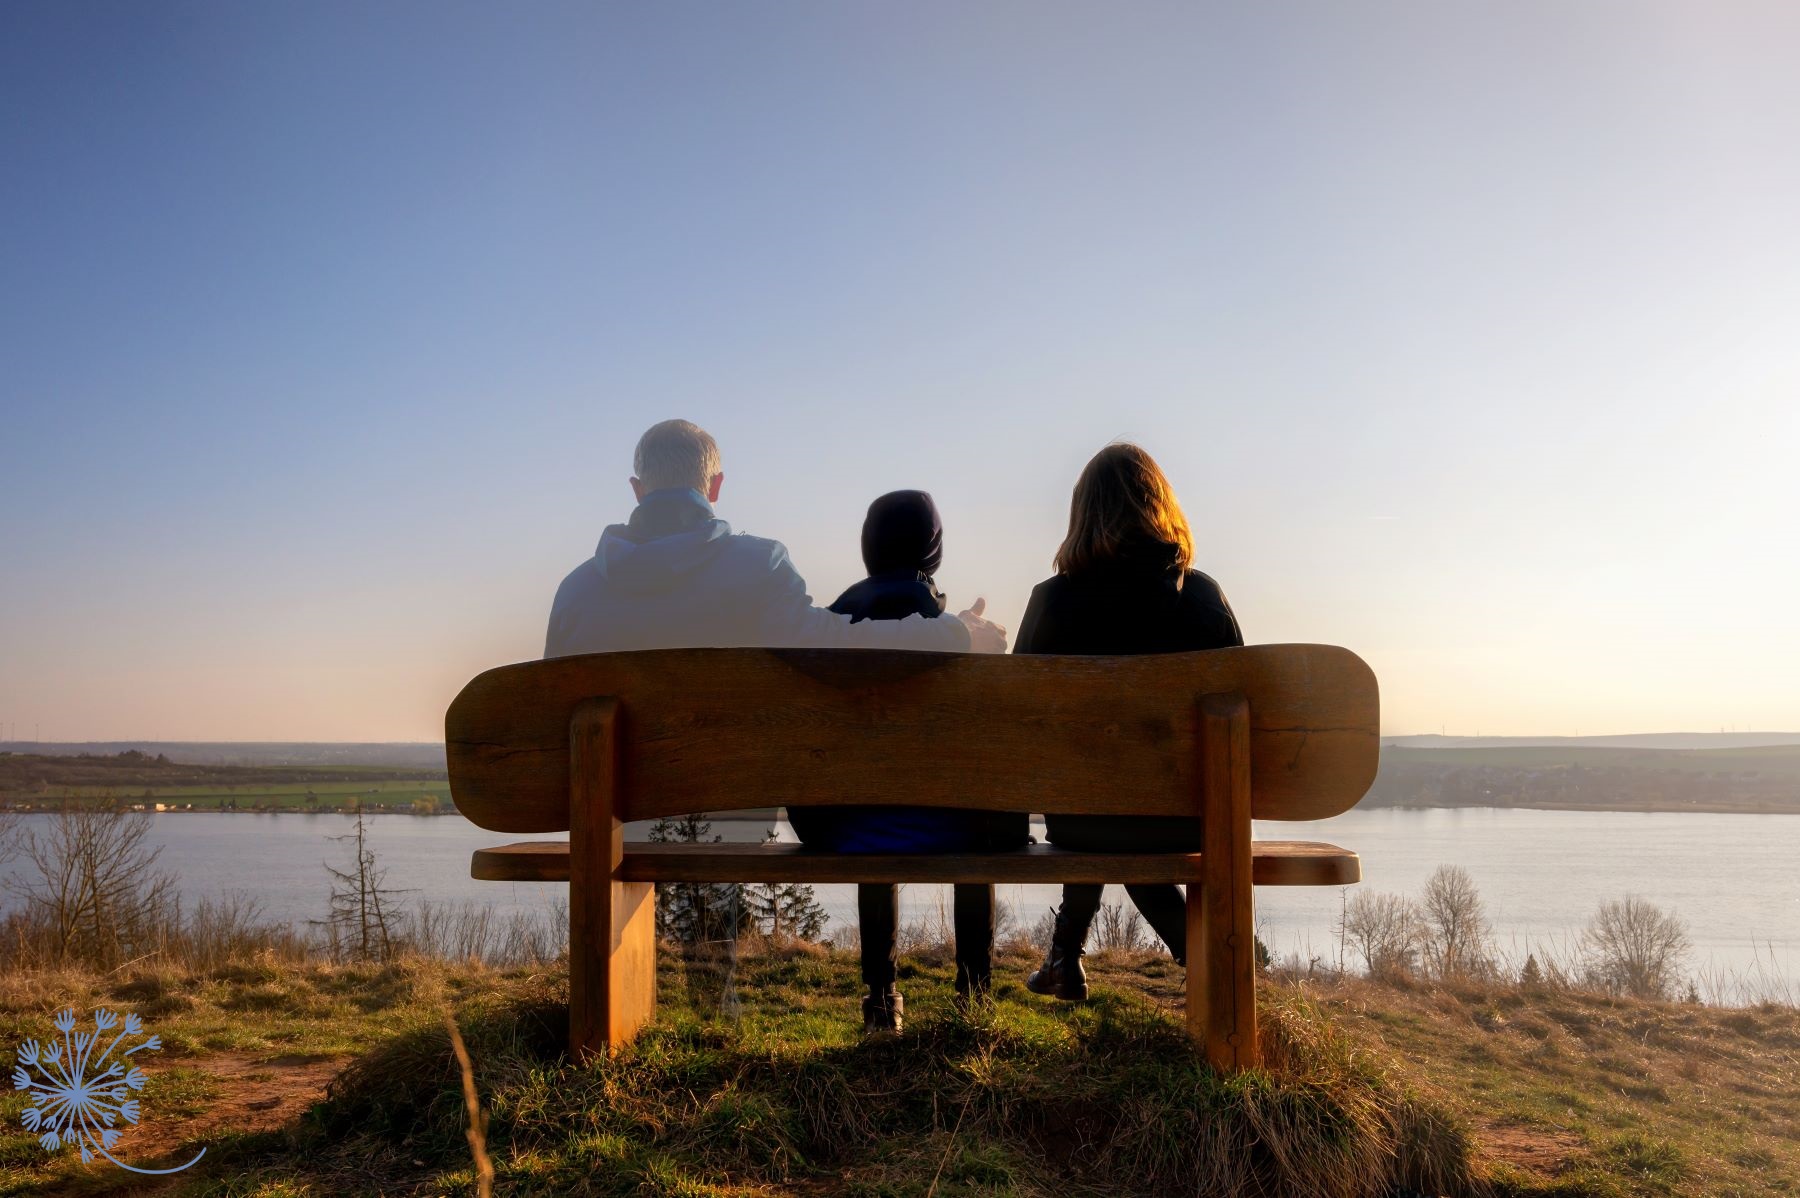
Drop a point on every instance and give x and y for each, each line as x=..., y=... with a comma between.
x=612, y=968
x=612, y=924
x=1221, y=965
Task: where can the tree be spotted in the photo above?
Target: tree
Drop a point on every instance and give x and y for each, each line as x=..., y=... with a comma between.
x=360, y=908
x=1120, y=928
x=786, y=910
x=697, y=912
x=1385, y=929
x=1633, y=947
x=1455, y=928
x=97, y=891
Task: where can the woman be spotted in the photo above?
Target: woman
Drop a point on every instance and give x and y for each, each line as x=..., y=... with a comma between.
x=902, y=546
x=1124, y=583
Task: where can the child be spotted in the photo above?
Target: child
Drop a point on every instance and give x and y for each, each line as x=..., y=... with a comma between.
x=902, y=545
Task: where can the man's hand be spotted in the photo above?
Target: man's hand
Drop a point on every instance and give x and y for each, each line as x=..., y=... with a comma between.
x=985, y=636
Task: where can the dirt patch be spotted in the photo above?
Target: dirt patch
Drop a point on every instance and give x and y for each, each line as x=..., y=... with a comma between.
x=1534, y=1150
x=256, y=1094
x=246, y=1093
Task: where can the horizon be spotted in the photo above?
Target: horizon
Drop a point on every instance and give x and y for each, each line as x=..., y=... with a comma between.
x=7, y=745
x=1465, y=338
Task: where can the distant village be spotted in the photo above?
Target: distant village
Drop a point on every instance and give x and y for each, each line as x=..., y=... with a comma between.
x=1403, y=782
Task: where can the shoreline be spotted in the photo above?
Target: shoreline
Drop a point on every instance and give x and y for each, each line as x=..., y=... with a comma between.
x=770, y=814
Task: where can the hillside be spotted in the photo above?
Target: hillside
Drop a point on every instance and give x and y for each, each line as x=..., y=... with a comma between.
x=1759, y=779
x=394, y=755
x=31, y=779
x=1370, y=1091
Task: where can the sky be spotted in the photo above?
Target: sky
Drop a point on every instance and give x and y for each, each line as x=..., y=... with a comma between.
x=1467, y=333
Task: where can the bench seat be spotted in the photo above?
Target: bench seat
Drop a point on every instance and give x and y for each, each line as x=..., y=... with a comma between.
x=1273, y=863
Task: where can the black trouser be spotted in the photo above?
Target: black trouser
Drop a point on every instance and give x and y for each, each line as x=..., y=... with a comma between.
x=878, y=909
x=878, y=903
x=1163, y=905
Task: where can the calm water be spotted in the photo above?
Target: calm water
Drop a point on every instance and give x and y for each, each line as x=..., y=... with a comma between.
x=1542, y=873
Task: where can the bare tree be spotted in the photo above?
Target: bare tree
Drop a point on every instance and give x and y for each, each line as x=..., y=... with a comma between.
x=1633, y=947
x=1385, y=930
x=98, y=892
x=361, y=910
x=1454, y=940
x=1119, y=927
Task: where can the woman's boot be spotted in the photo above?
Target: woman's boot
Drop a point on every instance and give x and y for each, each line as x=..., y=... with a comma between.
x=1062, y=975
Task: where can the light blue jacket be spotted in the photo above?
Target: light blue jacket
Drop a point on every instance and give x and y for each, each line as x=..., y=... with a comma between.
x=675, y=576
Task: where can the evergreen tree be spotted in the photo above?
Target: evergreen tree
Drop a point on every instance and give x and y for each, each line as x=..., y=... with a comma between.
x=787, y=909
x=697, y=912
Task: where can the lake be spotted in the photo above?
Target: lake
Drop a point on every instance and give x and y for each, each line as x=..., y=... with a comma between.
x=1731, y=878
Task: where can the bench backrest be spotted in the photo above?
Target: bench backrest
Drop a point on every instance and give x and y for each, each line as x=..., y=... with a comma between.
x=720, y=729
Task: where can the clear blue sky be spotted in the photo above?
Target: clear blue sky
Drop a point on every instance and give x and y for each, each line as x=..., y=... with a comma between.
x=1468, y=333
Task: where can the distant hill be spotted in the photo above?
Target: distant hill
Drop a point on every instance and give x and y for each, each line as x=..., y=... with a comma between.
x=1658, y=771
x=1634, y=740
x=396, y=755
x=1590, y=777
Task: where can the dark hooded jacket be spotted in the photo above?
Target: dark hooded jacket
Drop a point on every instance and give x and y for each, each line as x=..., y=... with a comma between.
x=902, y=546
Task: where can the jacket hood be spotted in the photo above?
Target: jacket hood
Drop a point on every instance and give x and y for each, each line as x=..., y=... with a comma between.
x=671, y=534
x=902, y=533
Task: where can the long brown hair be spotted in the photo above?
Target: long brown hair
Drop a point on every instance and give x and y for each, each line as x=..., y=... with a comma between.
x=1123, y=501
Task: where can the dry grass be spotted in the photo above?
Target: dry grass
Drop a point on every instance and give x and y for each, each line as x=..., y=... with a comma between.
x=1578, y=1093
x=1369, y=1090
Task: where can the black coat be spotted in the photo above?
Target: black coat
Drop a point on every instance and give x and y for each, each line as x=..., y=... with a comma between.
x=1127, y=607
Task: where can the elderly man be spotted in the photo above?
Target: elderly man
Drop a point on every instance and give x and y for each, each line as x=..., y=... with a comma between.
x=674, y=576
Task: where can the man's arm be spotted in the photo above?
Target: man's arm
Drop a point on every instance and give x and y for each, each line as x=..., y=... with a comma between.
x=792, y=620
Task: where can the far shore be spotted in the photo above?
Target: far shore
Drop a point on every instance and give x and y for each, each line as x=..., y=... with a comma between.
x=766, y=815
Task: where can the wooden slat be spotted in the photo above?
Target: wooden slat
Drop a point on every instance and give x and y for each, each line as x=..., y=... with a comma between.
x=720, y=729
x=1273, y=863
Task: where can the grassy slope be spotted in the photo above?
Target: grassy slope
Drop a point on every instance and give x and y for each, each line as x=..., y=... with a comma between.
x=1562, y=1094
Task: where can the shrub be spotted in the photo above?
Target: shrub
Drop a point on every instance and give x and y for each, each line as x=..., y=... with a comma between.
x=1385, y=929
x=1633, y=947
x=1454, y=926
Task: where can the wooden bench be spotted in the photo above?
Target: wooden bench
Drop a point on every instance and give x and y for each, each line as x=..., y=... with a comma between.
x=586, y=744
